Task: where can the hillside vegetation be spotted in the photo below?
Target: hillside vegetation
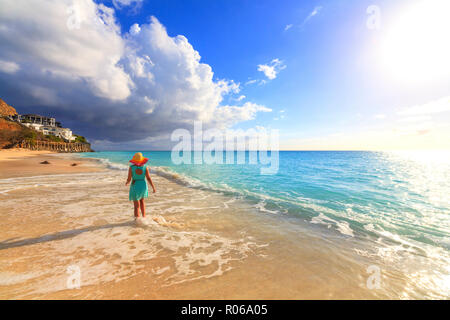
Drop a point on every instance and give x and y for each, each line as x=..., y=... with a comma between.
x=12, y=133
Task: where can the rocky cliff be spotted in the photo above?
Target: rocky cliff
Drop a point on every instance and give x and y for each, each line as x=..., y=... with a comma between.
x=6, y=109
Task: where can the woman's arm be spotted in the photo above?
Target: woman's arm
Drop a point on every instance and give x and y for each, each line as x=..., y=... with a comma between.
x=129, y=177
x=147, y=175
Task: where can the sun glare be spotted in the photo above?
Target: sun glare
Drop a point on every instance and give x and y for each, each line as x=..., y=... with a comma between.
x=416, y=46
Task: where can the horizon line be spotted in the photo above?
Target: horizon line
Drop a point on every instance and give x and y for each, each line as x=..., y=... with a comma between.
x=287, y=150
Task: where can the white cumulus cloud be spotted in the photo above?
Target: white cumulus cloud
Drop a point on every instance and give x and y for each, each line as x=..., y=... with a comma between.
x=135, y=29
x=271, y=69
x=119, y=4
x=113, y=87
x=38, y=35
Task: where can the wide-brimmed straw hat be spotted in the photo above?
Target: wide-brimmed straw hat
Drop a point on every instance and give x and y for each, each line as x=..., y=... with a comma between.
x=138, y=159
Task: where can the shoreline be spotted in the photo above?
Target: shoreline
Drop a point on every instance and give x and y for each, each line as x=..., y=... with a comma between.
x=202, y=244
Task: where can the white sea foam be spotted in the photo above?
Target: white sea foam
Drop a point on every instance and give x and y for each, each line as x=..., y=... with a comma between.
x=226, y=203
x=112, y=165
x=369, y=227
x=11, y=278
x=128, y=246
x=261, y=206
x=106, y=245
x=159, y=271
x=342, y=226
x=321, y=219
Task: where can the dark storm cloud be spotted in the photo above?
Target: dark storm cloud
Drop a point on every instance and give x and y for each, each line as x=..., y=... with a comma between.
x=68, y=59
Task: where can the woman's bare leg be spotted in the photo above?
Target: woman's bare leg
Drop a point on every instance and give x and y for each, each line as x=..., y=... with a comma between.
x=142, y=205
x=136, y=209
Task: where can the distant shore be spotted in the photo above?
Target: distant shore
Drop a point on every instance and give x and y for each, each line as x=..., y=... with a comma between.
x=23, y=162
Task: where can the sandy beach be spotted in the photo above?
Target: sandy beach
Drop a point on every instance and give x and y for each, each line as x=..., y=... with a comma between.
x=59, y=221
x=23, y=163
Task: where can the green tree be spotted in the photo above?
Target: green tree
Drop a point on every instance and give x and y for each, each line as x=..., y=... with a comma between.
x=80, y=139
x=53, y=138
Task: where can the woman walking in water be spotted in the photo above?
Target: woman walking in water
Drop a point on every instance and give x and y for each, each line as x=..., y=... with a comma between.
x=137, y=173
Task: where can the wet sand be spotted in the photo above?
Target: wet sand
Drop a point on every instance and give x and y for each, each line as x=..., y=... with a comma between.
x=59, y=222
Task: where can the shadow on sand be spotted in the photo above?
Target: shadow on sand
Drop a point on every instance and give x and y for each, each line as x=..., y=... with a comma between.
x=7, y=244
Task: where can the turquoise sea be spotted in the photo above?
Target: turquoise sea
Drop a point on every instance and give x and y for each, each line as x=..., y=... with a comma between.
x=394, y=204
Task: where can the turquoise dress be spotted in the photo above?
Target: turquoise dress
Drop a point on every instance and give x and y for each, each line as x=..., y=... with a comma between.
x=138, y=187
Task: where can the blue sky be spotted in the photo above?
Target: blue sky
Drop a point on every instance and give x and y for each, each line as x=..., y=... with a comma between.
x=328, y=83
x=336, y=82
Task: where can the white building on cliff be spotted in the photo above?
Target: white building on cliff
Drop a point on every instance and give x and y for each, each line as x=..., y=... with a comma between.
x=46, y=125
